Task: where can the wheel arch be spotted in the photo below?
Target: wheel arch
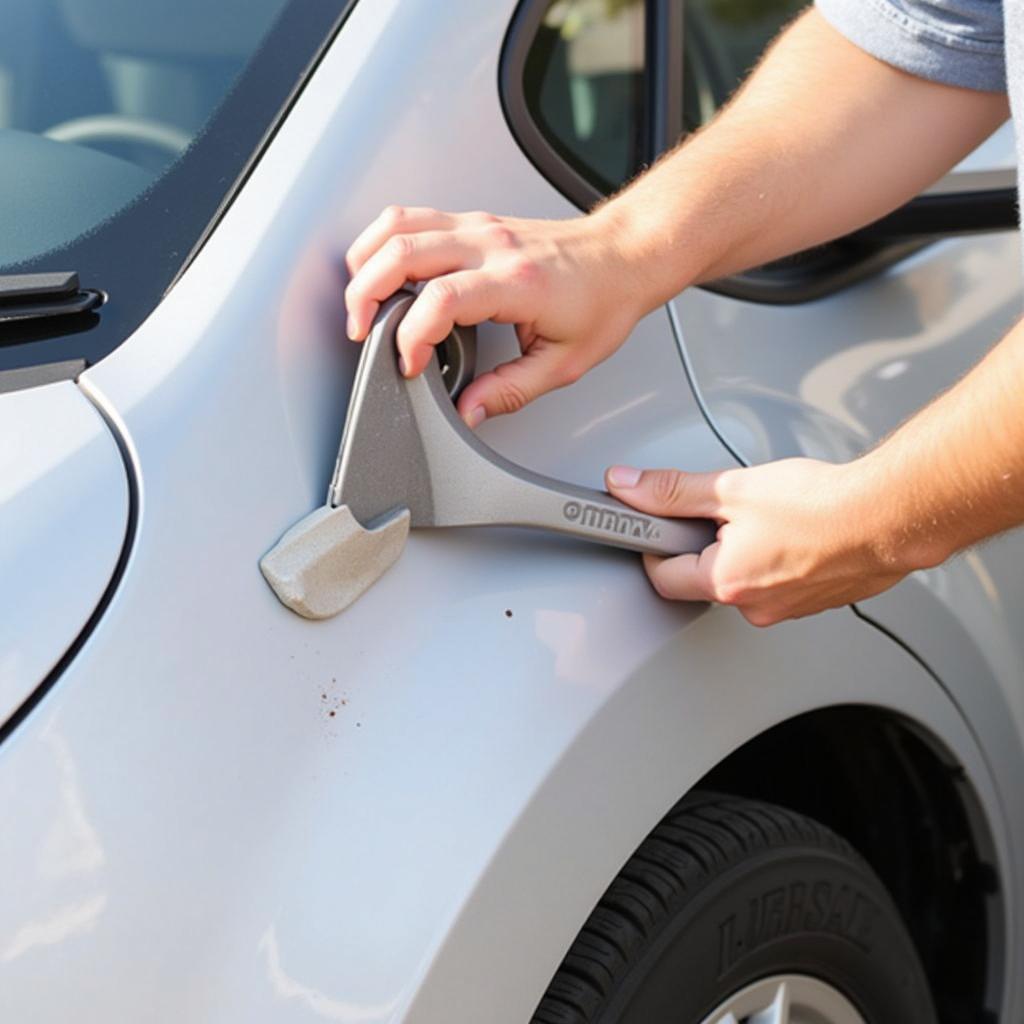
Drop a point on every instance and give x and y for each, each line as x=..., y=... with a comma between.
x=703, y=699
x=903, y=799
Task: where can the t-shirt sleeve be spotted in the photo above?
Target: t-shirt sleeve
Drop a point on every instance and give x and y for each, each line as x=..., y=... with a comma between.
x=958, y=42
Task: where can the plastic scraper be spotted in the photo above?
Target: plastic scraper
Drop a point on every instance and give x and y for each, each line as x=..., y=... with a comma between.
x=407, y=460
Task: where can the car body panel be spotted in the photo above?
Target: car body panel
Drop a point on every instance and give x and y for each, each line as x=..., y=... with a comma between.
x=830, y=378
x=232, y=848
x=403, y=813
x=63, y=519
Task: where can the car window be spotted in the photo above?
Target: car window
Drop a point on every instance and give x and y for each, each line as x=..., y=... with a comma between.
x=584, y=87
x=722, y=42
x=124, y=125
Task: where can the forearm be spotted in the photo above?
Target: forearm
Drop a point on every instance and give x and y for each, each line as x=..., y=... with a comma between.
x=821, y=140
x=954, y=473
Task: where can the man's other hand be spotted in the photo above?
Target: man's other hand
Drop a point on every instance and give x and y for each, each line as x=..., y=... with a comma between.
x=794, y=537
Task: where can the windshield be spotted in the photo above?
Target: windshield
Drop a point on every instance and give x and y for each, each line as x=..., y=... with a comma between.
x=124, y=125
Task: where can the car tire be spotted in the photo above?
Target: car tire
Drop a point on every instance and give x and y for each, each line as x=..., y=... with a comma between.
x=730, y=903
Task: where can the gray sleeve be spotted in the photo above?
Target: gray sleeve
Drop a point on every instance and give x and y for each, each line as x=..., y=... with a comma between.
x=958, y=42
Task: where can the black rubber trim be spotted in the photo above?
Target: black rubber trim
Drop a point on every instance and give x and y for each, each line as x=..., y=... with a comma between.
x=816, y=273
x=53, y=284
x=72, y=305
x=131, y=528
x=805, y=277
x=665, y=74
x=511, y=67
x=956, y=213
x=41, y=296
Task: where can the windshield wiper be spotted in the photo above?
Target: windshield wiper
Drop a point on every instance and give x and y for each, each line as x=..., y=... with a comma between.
x=39, y=296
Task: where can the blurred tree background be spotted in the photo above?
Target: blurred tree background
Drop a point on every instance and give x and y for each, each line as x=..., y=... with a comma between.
x=744, y=12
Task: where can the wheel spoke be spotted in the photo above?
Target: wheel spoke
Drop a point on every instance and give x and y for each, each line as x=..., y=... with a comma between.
x=786, y=999
x=778, y=1011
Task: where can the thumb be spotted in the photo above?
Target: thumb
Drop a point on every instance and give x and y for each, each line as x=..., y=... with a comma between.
x=510, y=386
x=666, y=492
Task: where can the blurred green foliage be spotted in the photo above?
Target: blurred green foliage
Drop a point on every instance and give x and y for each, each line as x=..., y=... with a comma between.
x=747, y=12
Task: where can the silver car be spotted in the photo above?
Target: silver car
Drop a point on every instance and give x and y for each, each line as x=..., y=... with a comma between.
x=508, y=783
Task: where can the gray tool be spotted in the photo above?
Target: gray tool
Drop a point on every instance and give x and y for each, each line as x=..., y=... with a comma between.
x=407, y=459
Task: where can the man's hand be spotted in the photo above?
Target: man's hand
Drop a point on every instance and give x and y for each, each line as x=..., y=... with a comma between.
x=794, y=537
x=799, y=536
x=564, y=284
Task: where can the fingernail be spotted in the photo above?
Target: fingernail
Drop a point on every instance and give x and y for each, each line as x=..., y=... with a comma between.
x=475, y=417
x=623, y=476
x=401, y=366
x=350, y=327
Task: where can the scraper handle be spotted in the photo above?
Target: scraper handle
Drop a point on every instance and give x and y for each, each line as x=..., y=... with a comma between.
x=472, y=485
x=597, y=516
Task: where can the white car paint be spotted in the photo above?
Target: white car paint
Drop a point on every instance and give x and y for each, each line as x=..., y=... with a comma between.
x=404, y=813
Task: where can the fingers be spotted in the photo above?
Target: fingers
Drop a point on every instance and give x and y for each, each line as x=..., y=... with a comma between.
x=666, y=492
x=510, y=386
x=466, y=297
x=406, y=257
x=685, y=577
x=394, y=220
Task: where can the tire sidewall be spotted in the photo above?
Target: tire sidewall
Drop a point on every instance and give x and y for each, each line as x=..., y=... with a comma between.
x=794, y=910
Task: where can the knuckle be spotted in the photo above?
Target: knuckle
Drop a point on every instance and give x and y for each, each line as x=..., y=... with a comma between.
x=393, y=215
x=524, y=272
x=483, y=217
x=500, y=236
x=400, y=247
x=729, y=591
x=441, y=294
x=511, y=397
x=666, y=486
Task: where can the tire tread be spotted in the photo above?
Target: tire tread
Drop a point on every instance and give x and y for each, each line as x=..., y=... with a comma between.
x=702, y=837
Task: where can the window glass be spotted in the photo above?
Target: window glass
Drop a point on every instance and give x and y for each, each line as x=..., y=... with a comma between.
x=584, y=87
x=723, y=40
x=124, y=124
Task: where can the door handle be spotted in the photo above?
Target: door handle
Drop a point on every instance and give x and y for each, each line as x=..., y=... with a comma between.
x=407, y=459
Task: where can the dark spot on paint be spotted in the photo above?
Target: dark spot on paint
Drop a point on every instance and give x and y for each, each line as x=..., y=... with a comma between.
x=359, y=725
x=323, y=696
x=508, y=613
x=332, y=713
